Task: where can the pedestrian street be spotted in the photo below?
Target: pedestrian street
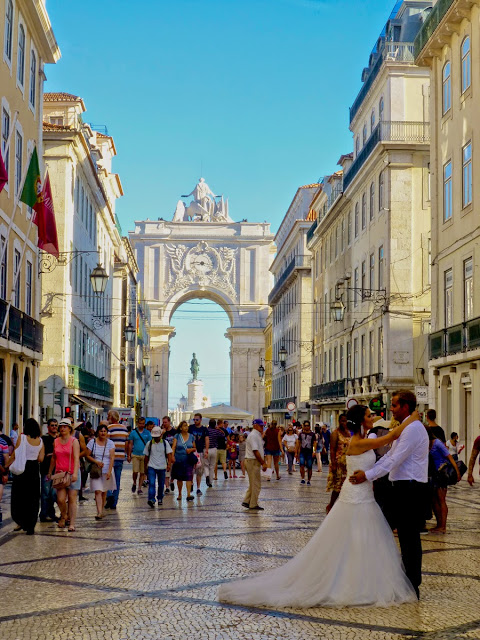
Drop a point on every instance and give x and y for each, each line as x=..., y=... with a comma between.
x=153, y=573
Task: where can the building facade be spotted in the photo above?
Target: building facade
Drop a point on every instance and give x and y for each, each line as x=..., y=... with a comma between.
x=449, y=45
x=290, y=300
x=76, y=370
x=27, y=45
x=371, y=236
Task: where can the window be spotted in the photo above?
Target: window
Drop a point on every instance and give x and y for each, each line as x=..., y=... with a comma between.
x=362, y=355
x=447, y=87
x=364, y=278
x=357, y=146
x=355, y=287
x=18, y=160
x=336, y=241
x=341, y=362
x=21, y=55
x=372, y=120
x=349, y=228
x=381, y=108
x=448, y=297
x=364, y=134
x=33, y=79
x=28, y=288
x=372, y=271
x=8, y=30
x=3, y=270
x=16, y=279
x=371, y=345
x=342, y=238
x=380, y=267
x=380, y=350
x=466, y=64
x=381, y=191
x=355, y=358
x=5, y=134
x=356, y=220
x=468, y=289
x=372, y=200
x=467, y=174
x=335, y=363
x=447, y=192
x=364, y=211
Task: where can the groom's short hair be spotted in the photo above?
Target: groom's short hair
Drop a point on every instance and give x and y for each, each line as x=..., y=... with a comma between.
x=406, y=397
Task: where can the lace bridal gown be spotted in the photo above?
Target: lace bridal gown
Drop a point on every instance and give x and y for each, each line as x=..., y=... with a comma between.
x=352, y=559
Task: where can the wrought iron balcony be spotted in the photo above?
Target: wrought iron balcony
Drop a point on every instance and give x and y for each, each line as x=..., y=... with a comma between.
x=430, y=25
x=299, y=262
x=393, y=52
x=82, y=380
x=389, y=131
x=457, y=339
x=311, y=231
x=22, y=328
x=329, y=390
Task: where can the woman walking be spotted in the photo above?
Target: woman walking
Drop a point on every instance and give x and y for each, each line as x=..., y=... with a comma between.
x=242, y=448
x=339, y=442
x=439, y=456
x=182, y=448
x=101, y=453
x=289, y=443
x=66, y=457
x=26, y=486
x=273, y=446
x=319, y=445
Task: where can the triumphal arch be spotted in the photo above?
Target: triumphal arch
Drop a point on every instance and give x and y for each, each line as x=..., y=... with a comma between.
x=203, y=253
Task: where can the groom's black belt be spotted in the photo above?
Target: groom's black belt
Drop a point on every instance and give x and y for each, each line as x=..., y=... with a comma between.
x=395, y=482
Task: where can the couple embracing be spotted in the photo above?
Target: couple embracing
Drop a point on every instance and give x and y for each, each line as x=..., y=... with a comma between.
x=353, y=558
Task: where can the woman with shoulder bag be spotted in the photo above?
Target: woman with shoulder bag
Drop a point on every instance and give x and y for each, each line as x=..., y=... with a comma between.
x=440, y=455
x=183, y=449
x=25, y=503
x=101, y=453
x=289, y=442
x=66, y=480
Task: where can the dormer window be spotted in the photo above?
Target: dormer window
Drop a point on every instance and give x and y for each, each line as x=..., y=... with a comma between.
x=364, y=134
x=58, y=120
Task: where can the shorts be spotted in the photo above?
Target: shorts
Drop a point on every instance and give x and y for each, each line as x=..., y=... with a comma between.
x=77, y=485
x=138, y=464
x=306, y=459
x=222, y=456
x=202, y=464
x=272, y=452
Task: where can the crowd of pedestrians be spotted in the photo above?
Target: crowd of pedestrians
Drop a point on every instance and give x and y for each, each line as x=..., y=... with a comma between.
x=54, y=468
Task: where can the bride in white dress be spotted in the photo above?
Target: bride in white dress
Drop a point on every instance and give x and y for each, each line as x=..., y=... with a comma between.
x=352, y=559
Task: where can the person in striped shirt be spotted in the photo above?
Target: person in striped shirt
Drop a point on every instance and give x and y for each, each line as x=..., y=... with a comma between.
x=118, y=434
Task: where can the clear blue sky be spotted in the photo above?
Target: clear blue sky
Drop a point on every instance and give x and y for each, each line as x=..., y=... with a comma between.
x=253, y=95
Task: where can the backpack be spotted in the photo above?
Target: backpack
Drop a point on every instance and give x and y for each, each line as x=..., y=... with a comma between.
x=150, y=447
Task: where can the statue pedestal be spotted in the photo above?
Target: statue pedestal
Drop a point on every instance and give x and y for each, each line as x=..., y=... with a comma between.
x=195, y=395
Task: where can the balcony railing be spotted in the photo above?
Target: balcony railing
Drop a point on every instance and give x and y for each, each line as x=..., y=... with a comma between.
x=82, y=380
x=430, y=25
x=329, y=390
x=22, y=328
x=281, y=404
x=311, y=231
x=392, y=52
x=390, y=131
x=457, y=339
x=299, y=262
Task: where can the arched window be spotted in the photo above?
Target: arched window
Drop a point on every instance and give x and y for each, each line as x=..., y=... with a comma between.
x=466, y=64
x=21, y=55
x=447, y=87
x=8, y=30
x=372, y=120
x=26, y=395
x=356, y=220
x=364, y=211
x=357, y=146
x=372, y=200
x=381, y=108
x=381, y=191
x=33, y=79
x=14, y=396
x=364, y=134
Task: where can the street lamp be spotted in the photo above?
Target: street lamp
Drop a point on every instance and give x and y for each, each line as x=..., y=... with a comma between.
x=261, y=372
x=146, y=359
x=130, y=332
x=157, y=375
x=337, y=309
x=282, y=356
x=99, y=279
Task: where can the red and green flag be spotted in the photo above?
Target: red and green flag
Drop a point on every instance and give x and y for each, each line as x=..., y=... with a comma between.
x=32, y=187
x=3, y=173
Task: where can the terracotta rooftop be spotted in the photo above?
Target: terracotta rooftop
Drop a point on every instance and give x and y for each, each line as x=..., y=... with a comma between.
x=48, y=126
x=310, y=186
x=101, y=135
x=60, y=96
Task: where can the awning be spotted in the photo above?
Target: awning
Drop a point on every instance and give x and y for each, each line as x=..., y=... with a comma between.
x=87, y=402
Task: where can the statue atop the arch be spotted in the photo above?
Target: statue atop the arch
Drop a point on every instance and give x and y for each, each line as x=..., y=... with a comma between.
x=205, y=206
x=194, y=367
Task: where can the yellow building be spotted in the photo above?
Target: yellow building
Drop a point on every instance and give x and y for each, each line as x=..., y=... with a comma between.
x=268, y=365
x=27, y=45
x=449, y=44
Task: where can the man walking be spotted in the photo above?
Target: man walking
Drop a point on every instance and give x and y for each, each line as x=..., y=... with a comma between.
x=118, y=434
x=407, y=466
x=221, y=448
x=254, y=462
x=48, y=493
x=202, y=442
x=137, y=441
x=158, y=458
x=168, y=434
x=433, y=427
x=305, y=443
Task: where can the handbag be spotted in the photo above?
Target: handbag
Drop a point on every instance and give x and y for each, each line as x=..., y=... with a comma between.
x=18, y=465
x=448, y=474
x=192, y=459
x=63, y=479
x=95, y=470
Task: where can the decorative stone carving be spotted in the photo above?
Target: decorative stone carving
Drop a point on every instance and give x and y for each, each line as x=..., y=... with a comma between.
x=201, y=265
x=205, y=206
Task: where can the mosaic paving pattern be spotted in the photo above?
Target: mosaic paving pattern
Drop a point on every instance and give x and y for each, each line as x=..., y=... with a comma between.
x=143, y=573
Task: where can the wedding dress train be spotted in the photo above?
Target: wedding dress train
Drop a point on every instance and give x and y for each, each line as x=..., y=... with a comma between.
x=352, y=559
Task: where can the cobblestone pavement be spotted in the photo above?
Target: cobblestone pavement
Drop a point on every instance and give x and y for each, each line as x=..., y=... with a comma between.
x=143, y=573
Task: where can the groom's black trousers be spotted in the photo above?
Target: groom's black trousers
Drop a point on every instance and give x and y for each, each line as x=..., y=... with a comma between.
x=409, y=508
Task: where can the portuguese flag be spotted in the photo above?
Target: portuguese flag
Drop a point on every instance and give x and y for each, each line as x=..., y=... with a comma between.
x=39, y=198
x=3, y=174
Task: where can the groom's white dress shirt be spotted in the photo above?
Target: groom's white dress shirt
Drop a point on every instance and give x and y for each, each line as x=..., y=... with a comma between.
x=408, y=457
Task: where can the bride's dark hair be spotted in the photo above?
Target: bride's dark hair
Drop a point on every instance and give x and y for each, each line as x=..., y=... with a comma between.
x=355, y=417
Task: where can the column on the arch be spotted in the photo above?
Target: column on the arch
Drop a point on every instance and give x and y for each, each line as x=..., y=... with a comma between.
x=247, y=349
x=159, y=343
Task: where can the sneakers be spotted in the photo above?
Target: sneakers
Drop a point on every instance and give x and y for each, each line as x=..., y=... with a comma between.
x=134, y=488
x=189, y=498
x=225, y=475
x=199, y=492
x=308, y=482
x=151, y=504
x=302, y=481
x=139, y=492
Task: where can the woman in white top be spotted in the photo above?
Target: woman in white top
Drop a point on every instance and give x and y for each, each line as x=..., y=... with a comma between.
x=101, y=452
x=453, y=447
x=26, y=486
x=289, y=442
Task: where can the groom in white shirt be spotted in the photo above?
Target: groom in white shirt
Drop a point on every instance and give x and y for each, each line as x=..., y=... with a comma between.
x=407, y=466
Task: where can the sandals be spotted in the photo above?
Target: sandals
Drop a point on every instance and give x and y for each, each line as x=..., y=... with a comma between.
x=99, y=517
x=179, y=498
x=71, y=529
x=61, y=523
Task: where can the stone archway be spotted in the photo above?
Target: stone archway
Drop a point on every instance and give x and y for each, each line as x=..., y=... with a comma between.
x=207, y=257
